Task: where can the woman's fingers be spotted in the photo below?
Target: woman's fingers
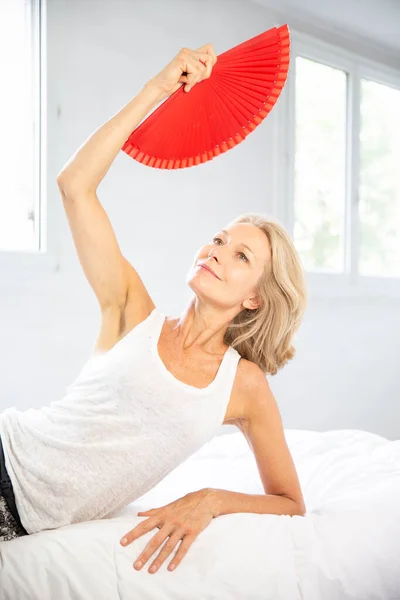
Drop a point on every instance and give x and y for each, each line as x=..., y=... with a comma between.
x=140, y=529
x=208, y=61
x=209, y=50
x=196, y=70
x=152, y=546
x=167, y=549
x=182, y=550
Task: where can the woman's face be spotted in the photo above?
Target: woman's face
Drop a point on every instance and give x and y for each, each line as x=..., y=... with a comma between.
x=238, y=257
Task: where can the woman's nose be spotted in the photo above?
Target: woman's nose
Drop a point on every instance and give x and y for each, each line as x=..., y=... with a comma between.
x=215, y=250
x=213, y=253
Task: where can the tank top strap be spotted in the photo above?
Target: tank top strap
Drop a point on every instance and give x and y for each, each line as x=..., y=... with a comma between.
x=228, y=368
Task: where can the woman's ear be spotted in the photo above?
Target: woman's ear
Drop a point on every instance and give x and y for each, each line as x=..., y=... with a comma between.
x=252, y=303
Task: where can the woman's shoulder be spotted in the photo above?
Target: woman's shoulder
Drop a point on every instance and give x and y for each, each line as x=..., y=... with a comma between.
x=248, y=377
x=249, y=373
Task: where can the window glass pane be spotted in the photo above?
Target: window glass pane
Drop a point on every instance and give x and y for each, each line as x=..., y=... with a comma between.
x=16, y=126
x=379, y=204
x=320, y=165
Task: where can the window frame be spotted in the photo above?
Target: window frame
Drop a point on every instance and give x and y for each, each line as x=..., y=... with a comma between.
x=357, y=67
x=27, y=265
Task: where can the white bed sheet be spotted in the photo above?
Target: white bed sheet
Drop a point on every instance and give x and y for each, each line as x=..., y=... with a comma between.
x=347, y=547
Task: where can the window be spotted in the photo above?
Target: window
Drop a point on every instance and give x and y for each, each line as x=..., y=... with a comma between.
x=343, y=189
x=320, y=165
x=379, y=180
x=18, y=227
x=25, y=249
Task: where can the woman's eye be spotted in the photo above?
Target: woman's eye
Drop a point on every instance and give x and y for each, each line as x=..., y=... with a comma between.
x=246, y=259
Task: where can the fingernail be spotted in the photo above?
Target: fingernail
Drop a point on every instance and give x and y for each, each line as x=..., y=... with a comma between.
x=124, y=540
x=138, y=564
x=171, y=567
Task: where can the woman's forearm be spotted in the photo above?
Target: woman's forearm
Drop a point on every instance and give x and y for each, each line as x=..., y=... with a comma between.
x=87, y=167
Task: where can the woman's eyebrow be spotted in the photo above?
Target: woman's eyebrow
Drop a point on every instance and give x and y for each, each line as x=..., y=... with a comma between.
x=245, y=245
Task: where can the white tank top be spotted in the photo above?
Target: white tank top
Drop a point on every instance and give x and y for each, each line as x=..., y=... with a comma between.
x=121, y=427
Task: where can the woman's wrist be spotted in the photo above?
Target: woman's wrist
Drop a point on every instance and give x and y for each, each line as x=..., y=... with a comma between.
x=153, y=92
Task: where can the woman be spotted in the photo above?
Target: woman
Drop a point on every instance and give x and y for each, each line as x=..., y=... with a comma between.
x=133, y=413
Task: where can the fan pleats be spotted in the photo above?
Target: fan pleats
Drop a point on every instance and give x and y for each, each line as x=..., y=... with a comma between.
x=218, y=113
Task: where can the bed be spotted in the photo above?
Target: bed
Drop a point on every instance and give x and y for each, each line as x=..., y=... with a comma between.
x=347, y=546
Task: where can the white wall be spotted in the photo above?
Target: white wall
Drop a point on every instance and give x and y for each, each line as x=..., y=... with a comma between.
x=346, y=372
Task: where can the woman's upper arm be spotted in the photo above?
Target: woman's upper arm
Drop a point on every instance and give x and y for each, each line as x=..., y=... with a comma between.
x=108, y=272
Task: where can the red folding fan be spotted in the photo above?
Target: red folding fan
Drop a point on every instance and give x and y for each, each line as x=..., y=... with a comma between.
x=219, y=112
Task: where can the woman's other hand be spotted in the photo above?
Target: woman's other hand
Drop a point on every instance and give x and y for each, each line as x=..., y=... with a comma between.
x=183, y=519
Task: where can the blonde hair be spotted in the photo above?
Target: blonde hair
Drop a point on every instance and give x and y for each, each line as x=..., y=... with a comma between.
x=264, y=335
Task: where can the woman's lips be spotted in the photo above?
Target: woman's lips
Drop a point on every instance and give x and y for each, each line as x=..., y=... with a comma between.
x=209, y=270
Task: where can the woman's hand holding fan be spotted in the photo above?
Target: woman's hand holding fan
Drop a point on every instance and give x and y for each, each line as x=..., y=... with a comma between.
x=187, y=68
